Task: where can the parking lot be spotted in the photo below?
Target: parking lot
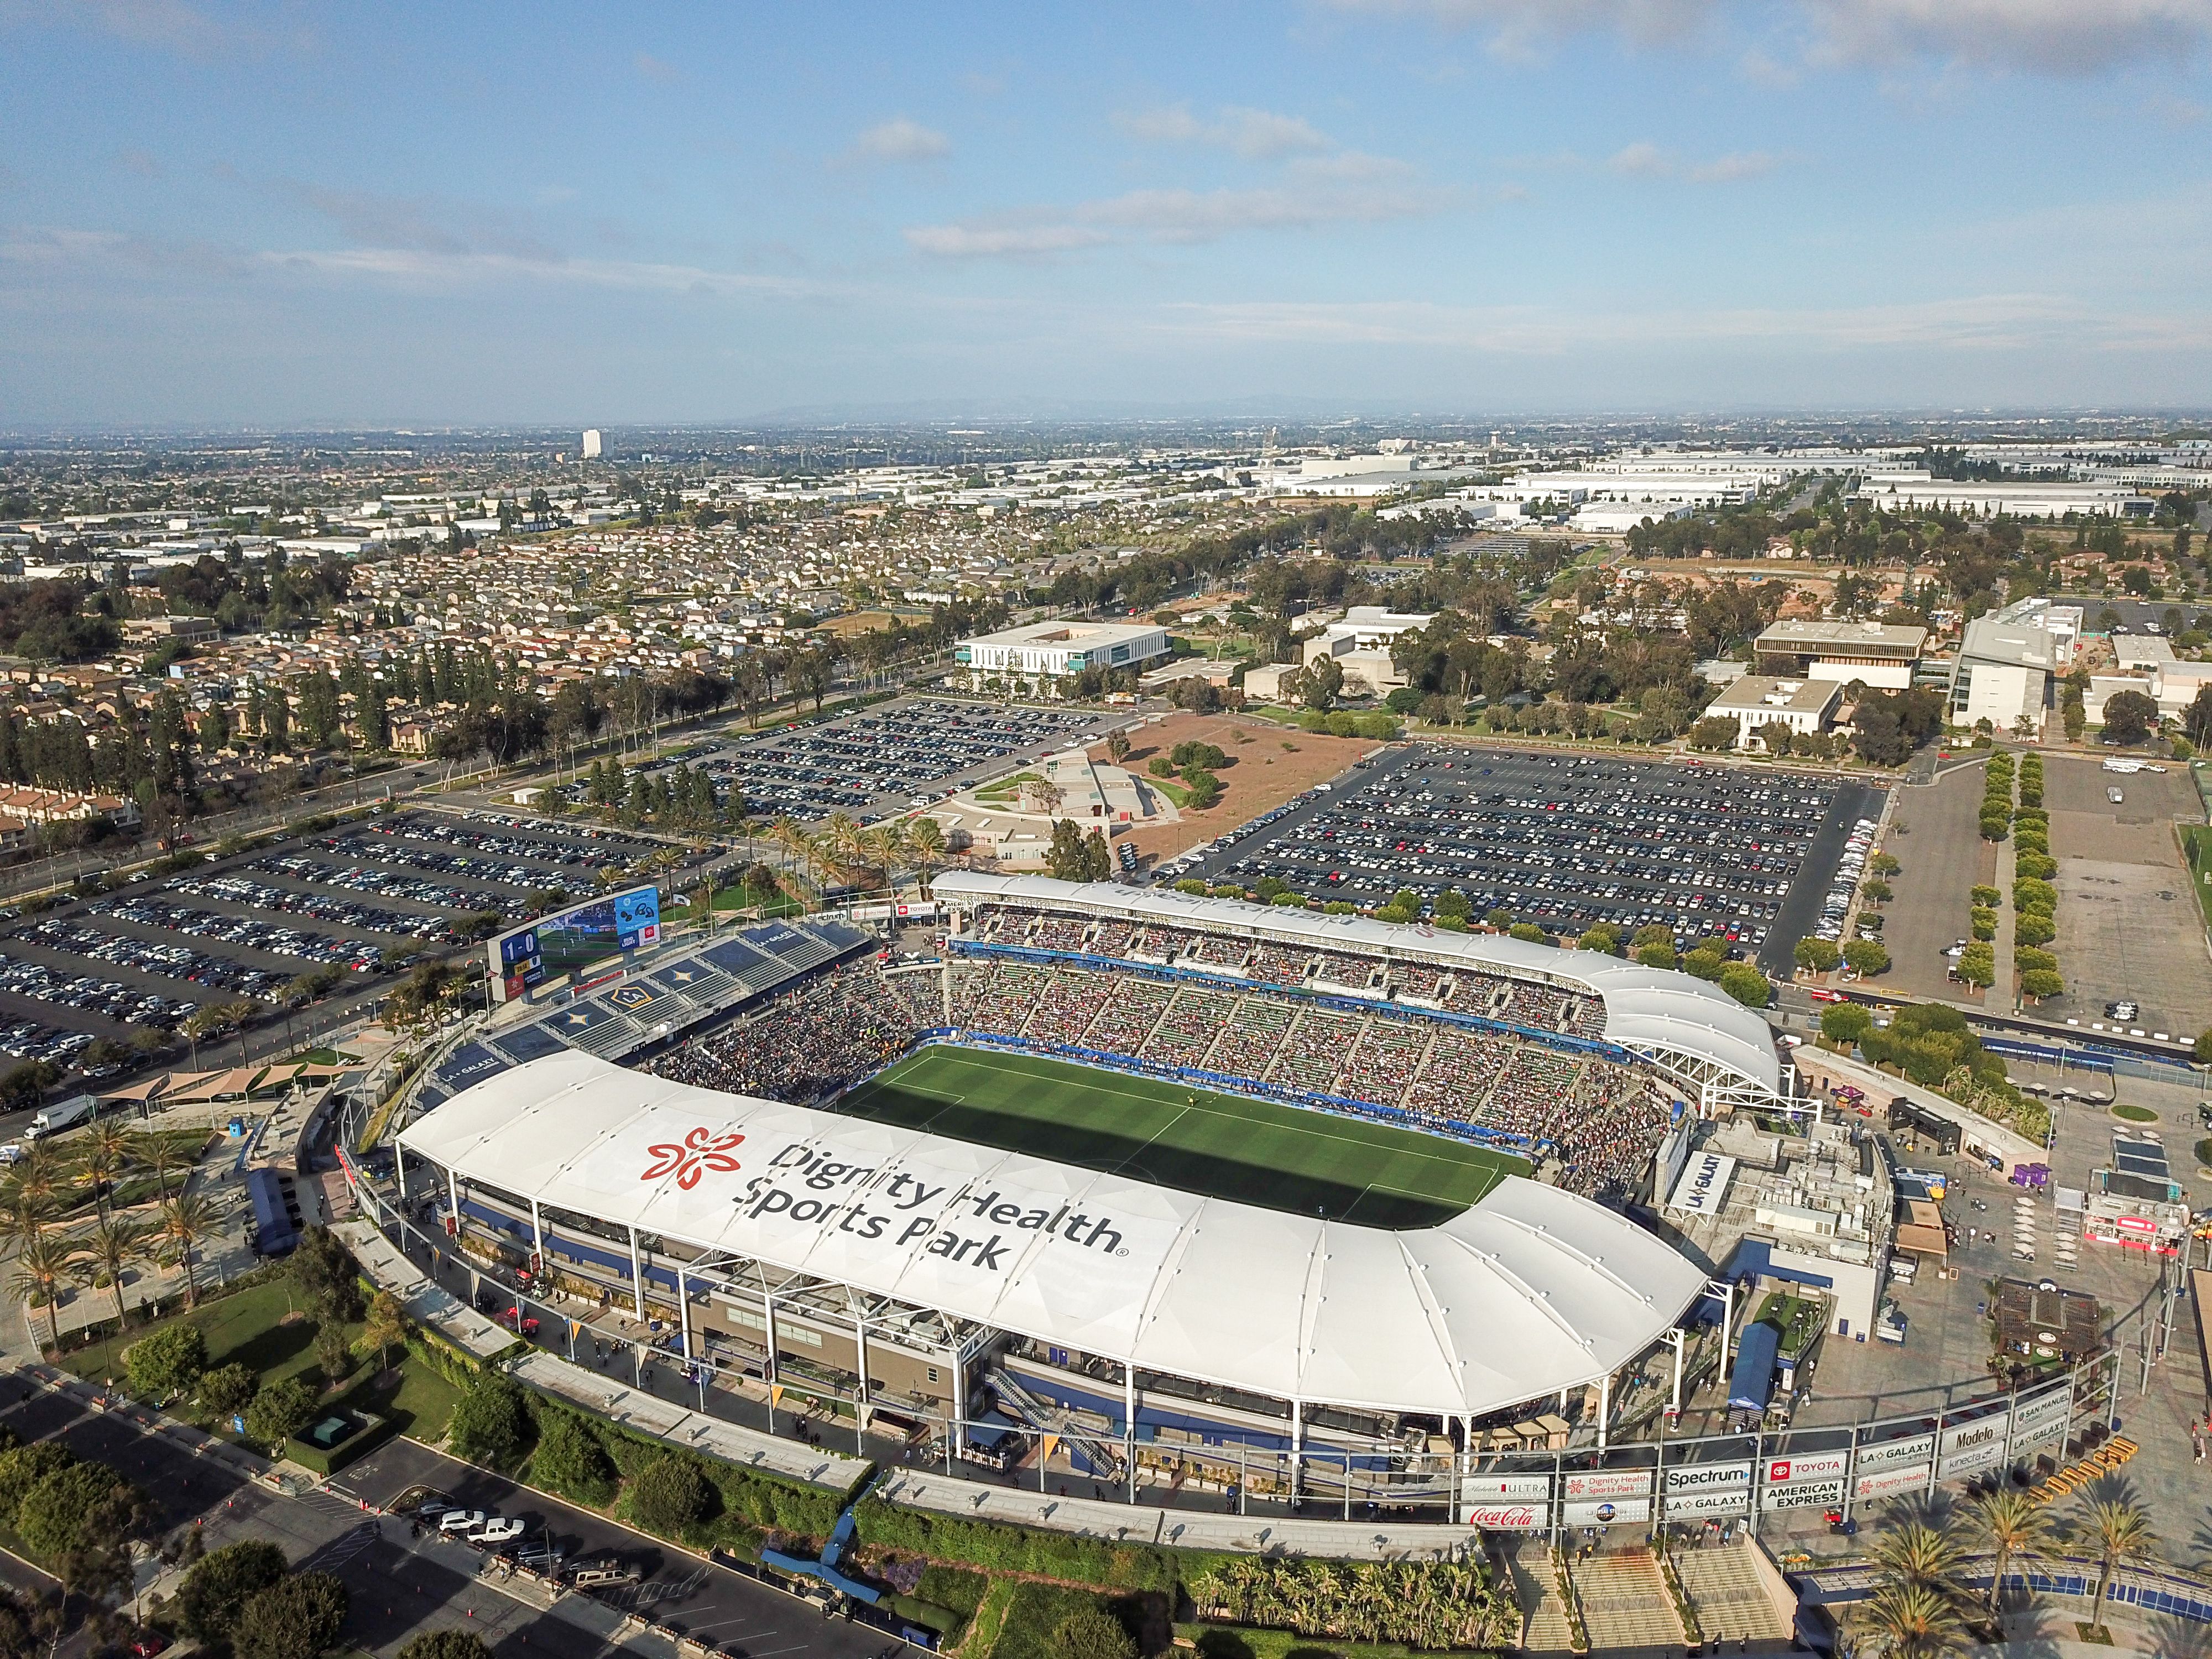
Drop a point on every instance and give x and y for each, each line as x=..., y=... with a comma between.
x=884, y=759
x=362, y=900
x=1567, y=840
x=2129, y=928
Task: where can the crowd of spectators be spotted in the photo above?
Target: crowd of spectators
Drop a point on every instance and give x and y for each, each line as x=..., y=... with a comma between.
x=801, y=1046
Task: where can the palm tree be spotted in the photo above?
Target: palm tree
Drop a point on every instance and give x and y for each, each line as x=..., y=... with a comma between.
x=842, y=836
x=37, y=1179
x=2120, y=1533
x=187, y=1220
x=879, y=847
x=1921, y=1549
x=112, y=1246
x=1912, y=1621
x=41, y=1263
x=103, y=1153
x=924, y=839
x=162, y=1156
x=198, y=1024
x=25, y=1219
x=2016, y=1529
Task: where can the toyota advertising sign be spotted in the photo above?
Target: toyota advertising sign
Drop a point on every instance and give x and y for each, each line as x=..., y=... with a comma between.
x=1810, y=1466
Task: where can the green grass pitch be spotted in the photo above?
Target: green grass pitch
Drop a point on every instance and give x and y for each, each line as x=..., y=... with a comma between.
x=1221, y=1146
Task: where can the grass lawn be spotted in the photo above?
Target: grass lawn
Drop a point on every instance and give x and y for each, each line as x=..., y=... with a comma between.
x=259, y=1326
x=1220, y=1145
x=2196, y=850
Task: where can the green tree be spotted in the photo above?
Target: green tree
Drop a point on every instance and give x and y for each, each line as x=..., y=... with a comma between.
x=2203, y=1050
x=1657, y=953
x=327, y=1277
x=571, y=1460
x=385, y=1326
x=1816, y=956
x=1866, y=956
x=1977, y=965
x=23, y=1467
x=491, y=1424
x=56, y=1515
x=280, y=1410
x=1845, y=1023
x=2040, y=982
x=446, y=1644
x=670, y=1496
x=299, y=1617
x=333, y=1353
x=168, y=1361
x=222, y=1582
x=1747, y=985
x=2014, y=1525
x=229, y=1389
x=2130, y=716
x=1093, y=1633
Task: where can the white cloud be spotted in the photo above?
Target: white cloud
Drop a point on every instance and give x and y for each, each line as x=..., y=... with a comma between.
x=1349, y=188
x=2041, y=37
x=1001, y=241
x=1999, y=322
x=1645, y=160
x=1257, y=135
x=897, y=140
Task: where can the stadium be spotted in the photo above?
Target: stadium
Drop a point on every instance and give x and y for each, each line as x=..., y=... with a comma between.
x=1131, y=1186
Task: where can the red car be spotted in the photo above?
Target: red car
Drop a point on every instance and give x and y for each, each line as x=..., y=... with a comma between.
x=1819, y=994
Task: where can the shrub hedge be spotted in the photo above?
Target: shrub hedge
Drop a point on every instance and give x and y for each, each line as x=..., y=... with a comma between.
x=998, y=1548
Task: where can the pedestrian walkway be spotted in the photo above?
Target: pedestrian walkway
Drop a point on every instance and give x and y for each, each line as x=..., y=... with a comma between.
x=1545, y=1628
x=1625, y=1603
x=1732, y=1598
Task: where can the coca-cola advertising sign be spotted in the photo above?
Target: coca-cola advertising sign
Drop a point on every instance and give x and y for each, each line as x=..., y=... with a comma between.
x=1509, y=1517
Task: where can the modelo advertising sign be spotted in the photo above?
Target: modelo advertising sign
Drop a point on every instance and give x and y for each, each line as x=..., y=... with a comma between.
x=1969, y=1447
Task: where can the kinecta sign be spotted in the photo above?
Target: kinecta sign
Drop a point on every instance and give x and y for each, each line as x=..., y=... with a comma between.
x=976, y=1229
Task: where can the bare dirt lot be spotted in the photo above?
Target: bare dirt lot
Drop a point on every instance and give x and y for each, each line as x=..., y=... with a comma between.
x=1935, y=832
x=2128, y=925
x=1268, y=765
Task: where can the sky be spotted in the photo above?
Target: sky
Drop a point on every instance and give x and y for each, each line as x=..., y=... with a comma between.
x=274, y=213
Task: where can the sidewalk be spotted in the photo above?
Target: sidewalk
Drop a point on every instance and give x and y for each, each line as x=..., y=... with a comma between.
x=1123, y=1523
x=1883, y=1085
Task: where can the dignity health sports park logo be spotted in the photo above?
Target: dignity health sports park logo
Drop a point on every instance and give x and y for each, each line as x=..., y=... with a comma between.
x=692, y=1157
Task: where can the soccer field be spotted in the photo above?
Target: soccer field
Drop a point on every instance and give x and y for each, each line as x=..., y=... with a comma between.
x=1256, y=1151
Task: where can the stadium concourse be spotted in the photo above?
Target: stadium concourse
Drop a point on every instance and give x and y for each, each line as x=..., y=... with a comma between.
x=1129, y=1175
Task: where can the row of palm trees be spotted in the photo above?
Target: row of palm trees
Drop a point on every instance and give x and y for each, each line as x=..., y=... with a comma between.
x=1920, y=1606
x=42, y=1222
x=859, y=855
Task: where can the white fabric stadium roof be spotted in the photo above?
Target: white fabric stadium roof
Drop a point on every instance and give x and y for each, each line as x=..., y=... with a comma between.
x=1532, y=1290
x=1646, y=1008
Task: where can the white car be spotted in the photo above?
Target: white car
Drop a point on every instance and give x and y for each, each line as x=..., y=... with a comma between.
x=462, y=1521
x=12, y=1152
x=496, y=1530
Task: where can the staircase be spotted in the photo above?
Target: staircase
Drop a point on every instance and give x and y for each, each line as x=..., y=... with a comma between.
x=1544, y=1627
x=1729, y=1594
x=1625, y=1604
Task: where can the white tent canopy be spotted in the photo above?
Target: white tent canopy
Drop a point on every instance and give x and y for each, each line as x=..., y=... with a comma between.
x=1531, y=1290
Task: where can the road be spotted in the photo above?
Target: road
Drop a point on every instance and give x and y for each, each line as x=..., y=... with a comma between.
x=401, y=1584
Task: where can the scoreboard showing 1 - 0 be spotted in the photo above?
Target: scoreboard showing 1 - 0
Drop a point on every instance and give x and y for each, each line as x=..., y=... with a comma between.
x=522, y=957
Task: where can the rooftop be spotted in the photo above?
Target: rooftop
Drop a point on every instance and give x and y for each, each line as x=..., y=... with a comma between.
x=1757, y=693
x=1802, y=633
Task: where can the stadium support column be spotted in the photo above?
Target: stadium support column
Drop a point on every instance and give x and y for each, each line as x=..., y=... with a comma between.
x=771, y=1374
x=1298, y=1449
x=400, y=1172
x=537, y=1232
x=683, y=1312
x=1677, y=1334
x=454, y=1197
x=860, y=1399
x=1604, y=1409
x=636, y=1277
x=1129, y=1424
